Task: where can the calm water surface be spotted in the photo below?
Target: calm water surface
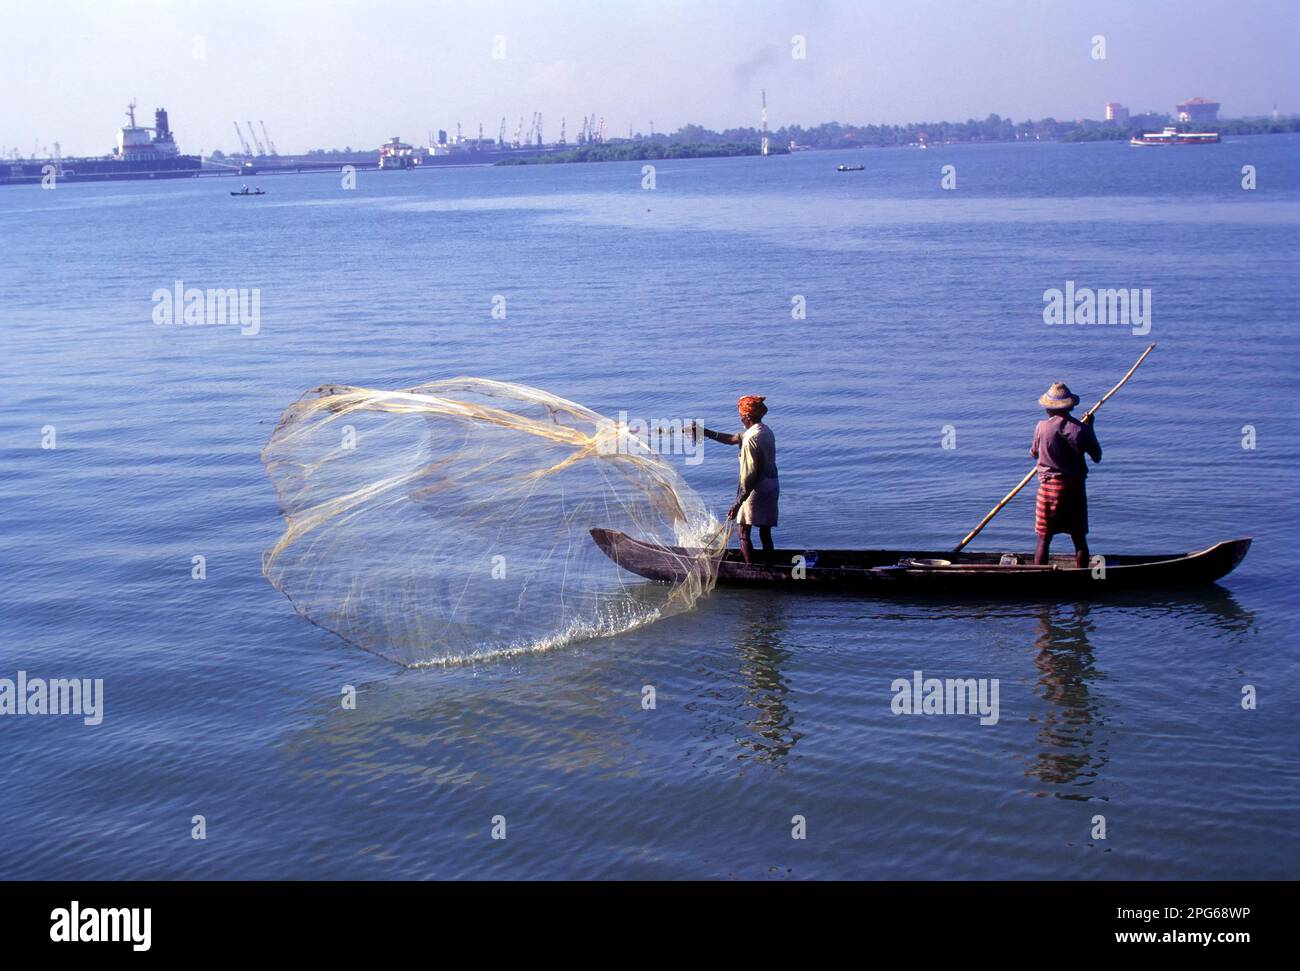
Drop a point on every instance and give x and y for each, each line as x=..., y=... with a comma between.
x=924, y=310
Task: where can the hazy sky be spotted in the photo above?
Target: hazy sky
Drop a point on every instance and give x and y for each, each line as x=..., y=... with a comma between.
x=329, y=73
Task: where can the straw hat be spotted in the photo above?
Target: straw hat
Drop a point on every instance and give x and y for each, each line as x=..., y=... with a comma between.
x=1059, y=396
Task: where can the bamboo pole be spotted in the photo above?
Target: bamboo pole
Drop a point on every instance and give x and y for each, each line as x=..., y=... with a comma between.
x=1025, y=481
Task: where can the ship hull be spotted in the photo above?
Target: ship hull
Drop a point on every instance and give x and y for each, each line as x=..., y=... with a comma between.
x=1171, y=136
x=100, y=170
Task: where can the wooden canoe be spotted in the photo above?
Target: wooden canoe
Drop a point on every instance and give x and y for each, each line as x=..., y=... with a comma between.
x=888, y=572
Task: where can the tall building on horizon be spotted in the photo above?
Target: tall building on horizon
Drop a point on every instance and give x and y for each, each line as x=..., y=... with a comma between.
x=1198, y=109
x=1116, y=112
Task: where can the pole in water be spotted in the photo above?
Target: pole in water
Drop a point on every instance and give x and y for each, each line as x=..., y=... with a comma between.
x=1025, y=481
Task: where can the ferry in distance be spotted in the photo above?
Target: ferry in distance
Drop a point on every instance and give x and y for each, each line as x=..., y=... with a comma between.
x=1172, y=136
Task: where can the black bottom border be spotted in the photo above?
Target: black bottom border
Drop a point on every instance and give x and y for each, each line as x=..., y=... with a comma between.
x=331, y=919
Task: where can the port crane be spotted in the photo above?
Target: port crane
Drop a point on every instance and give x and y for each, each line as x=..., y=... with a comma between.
x=539, y=129
x=764, y=148
x=242, y=142
x=519, y=133
x=270, y=144
x=501, y=139
x=562, y=140
x=253, y=133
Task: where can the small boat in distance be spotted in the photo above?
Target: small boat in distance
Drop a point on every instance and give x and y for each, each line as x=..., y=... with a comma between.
x=850, y=168
x=246, y=192
x=871, y=573
x=1172, y=136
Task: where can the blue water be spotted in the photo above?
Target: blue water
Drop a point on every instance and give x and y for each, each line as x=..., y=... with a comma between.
x=924, y=309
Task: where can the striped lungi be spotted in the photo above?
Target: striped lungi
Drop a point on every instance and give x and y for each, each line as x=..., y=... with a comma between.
x=1062, y=507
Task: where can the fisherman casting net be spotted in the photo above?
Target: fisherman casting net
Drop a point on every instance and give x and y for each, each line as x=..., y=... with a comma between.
x=451, y=520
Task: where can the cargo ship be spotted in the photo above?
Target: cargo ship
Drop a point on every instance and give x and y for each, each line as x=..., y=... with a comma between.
x=141, y=153
x=1172, y=136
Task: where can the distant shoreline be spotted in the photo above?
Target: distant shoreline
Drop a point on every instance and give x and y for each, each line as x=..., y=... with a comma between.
x=674, y=151
x=644, y=152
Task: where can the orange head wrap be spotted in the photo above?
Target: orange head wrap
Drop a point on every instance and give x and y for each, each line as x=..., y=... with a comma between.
x=752, y=407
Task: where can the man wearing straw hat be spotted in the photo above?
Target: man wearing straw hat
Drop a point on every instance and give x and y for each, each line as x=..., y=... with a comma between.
x=1060, y=443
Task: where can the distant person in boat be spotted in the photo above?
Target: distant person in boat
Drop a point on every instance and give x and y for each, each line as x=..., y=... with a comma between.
x=1060, y=443
x=759, y=488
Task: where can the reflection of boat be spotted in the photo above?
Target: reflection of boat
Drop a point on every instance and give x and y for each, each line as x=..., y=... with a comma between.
x=850, y=168
x=887, y=572
x=1172, y=136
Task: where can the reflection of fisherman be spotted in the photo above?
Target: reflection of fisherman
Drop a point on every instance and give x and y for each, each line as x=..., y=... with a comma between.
x=759, y=489
x=760, y=644
x=1071, y=737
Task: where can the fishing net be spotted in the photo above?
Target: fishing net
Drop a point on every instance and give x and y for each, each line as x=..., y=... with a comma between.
x=451, y=520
